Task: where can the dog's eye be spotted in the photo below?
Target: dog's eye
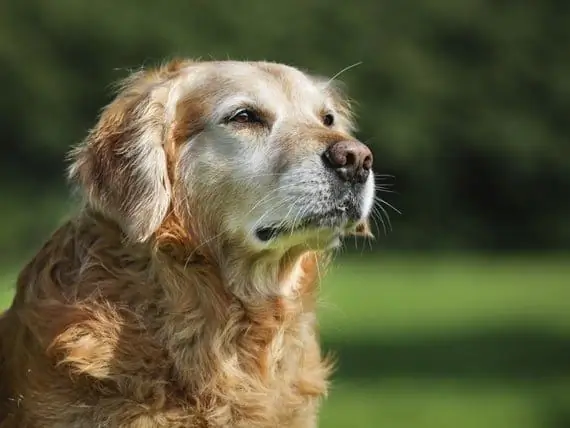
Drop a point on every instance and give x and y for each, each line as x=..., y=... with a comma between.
x=328, y=119
x=245, y=116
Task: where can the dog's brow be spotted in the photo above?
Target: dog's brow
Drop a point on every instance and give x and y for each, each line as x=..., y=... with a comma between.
x=232, y=104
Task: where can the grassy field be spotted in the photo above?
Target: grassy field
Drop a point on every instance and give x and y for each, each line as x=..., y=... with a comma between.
x=452, y=342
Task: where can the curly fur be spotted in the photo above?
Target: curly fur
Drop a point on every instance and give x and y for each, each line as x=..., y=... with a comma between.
x=132, y=315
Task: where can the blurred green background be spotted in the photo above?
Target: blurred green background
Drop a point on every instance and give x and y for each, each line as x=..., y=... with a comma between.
x=459, y=316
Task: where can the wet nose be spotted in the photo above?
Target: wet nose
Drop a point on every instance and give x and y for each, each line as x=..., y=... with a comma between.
x=351, y=160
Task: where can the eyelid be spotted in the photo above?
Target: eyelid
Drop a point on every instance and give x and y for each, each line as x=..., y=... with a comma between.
x=227, y=108
x=245, y=108
x=262, y=116
x=256, y=116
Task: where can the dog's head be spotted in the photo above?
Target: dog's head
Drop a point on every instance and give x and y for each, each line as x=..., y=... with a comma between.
x=256, y=152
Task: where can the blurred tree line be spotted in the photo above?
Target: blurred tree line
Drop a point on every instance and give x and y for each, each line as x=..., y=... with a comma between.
x=465, y=102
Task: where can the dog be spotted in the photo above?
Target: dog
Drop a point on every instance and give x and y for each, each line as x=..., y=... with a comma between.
x=182, y=292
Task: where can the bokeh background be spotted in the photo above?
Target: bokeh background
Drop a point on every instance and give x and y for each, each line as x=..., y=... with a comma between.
x=458, y=315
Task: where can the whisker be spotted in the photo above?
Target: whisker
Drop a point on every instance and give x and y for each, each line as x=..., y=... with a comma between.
x=382, y=201
x=381, y=184
x=381, y=218
x=386, y=216
x=273, y=194
x=269, y=212
x=345, y=69
x=299, y=214
x=380, y=189
x=375, y=214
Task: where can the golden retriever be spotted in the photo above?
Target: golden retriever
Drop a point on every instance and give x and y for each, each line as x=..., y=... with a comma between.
x=182, y=293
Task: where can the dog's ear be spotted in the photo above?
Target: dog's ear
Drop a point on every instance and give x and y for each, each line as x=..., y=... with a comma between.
x=121, y=167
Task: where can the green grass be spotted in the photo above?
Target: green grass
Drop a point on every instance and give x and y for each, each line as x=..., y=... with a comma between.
x=449, y=342
x=458, y=342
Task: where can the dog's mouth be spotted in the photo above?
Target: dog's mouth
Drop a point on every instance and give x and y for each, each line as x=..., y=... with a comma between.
x=268, y=233
x=336, y=221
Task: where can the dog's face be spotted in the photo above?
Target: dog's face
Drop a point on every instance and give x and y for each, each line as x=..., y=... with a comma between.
x=259, y=152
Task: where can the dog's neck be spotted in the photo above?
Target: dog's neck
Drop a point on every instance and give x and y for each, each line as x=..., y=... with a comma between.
x=251, y=276
x=182, y=261
x=289, y=277
x=258, y=303
x=286, y=274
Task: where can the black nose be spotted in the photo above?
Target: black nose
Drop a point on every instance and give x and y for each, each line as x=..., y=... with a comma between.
x=351, y=160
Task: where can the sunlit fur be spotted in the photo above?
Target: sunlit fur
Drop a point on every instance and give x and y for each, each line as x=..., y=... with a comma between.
x=154, y=305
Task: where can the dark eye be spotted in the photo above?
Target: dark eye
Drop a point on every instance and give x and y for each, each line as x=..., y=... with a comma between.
x=328, y=119
x=245, y=116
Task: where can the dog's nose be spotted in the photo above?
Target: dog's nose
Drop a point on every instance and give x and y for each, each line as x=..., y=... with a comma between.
x=351, y=160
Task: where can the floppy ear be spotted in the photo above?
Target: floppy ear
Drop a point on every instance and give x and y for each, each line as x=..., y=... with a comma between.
x=121, y=167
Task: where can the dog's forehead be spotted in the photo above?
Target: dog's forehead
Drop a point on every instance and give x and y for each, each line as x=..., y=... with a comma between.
x=272, y=81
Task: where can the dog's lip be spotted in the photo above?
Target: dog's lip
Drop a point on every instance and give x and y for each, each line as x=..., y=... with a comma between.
x=336, y=219
x=267, y=233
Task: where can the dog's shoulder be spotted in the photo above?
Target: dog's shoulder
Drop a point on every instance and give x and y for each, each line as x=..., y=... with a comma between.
x=68, y=334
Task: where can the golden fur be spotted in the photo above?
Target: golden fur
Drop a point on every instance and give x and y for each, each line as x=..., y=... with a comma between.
x=138, y=312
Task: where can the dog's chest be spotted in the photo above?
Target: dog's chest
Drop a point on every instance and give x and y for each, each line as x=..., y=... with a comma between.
x=278, y=384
